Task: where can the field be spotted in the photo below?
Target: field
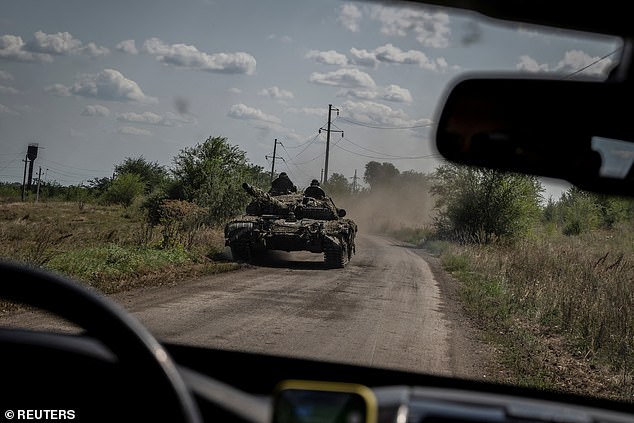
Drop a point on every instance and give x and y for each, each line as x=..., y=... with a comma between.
x=110, y=248
x=560, y=308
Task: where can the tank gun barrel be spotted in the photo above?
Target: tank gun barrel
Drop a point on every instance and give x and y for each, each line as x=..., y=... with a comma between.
x=264, y=197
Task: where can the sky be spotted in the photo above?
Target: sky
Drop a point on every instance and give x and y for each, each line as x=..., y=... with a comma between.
x=93, y=83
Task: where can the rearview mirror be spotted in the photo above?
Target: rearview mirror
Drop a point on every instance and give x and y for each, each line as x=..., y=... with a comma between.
x=578, y=131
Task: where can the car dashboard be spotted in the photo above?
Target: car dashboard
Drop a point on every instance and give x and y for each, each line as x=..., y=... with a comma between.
x=77, y=373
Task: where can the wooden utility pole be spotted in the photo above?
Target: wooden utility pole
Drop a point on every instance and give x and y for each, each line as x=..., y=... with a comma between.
x=39, y=180
x=328, y=131
x=273, y=157
x=354, y=181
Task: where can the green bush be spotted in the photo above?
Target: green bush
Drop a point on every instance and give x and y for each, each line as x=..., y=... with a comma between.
x=124, y=189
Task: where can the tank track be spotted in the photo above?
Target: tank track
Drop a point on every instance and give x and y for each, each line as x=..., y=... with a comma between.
x=241, y=252
x=335, y=257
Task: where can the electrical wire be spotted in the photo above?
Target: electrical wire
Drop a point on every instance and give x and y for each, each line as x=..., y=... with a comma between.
x=354, y=122
x=429, y=156
x=591, y=64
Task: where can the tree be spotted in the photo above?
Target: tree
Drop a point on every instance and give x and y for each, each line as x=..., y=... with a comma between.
x=99, y=185
x=211, y=174
x=337, y=186
x=483, y=205
x=151, y=173
x=124, y=189
x=378, y=174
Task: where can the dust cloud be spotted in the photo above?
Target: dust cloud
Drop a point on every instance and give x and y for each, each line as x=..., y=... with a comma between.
x=390, y=208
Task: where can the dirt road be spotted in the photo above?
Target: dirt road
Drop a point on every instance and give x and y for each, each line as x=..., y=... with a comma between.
x=385, y=308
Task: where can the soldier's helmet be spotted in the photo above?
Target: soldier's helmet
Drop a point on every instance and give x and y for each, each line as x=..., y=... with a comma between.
x=314, y=183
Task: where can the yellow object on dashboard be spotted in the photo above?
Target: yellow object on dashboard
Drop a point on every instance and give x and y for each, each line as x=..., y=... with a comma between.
x=306, y=401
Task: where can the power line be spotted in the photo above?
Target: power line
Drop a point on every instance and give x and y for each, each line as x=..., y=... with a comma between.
x=300, y=145
x=354, y=122
x=73, y=167
x=429, y=156
x=370, y=150
x=311, y=160
x=305, y=148
x=591, y=64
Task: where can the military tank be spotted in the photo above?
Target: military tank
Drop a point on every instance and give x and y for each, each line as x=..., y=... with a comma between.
x=291, y=222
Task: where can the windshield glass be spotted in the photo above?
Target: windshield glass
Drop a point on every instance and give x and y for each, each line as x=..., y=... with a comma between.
x=128, y=131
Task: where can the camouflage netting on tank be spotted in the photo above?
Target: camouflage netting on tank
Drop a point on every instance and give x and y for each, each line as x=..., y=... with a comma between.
x=319, y=213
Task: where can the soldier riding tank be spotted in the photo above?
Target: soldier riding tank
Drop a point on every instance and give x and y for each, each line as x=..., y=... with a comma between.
x=291, y=222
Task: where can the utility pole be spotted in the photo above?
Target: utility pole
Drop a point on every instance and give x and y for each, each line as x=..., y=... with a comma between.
x=39, y=180
x=26, y=160
x=321, y=176
x=273, y=157
x=328, y=131
x=354, y=181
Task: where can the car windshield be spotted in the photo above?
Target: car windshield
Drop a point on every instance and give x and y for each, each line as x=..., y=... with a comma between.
x=262, y=176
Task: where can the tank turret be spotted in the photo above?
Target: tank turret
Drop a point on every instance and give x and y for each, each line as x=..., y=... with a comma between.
x=265, y=203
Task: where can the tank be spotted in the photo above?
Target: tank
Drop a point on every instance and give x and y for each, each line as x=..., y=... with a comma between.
x=291, y=222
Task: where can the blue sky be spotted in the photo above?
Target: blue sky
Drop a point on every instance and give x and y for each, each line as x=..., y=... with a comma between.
x=96, y=82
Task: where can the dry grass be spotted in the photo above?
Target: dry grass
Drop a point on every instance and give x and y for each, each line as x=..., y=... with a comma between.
x=108, y=247
x=573, y=292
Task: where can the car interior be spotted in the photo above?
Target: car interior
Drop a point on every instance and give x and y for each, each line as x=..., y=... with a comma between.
x=115, y=370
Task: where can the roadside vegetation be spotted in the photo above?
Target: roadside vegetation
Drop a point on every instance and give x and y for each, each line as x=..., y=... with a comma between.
x=147, y=225
x=549, y=281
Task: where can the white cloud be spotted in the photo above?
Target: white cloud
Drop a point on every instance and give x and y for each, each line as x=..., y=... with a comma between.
x=430, y=29
x=5, y=76
x=189, y=57
x=242, y=111
x=397, y=94
x=62, y=43
x=149, y=118
x=13, y=48
x=349, y=16
x=127, y=46
x=59, y=90
x=573, y=61
x=394, y=55
x=364, y=57
x=4, y=110
x=358, y=94
x=96, y=110
x=131, y=130
x=330, y=57
x=392, y=93
x=93, y=50
x=373, y=113
x=350, y=78
x=277, y=93
x=59, y=43
x=8, y=90
x=310, y=111
x=235, y=90
x=109, y=84
x=529, y=64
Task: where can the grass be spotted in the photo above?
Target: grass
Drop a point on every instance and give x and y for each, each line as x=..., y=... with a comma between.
x=556, y=299
x=108, y=247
